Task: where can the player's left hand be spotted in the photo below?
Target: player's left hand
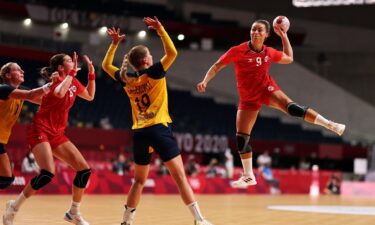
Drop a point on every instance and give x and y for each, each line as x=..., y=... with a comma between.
x=280, y=31
x=90, y=66
x=152, y=23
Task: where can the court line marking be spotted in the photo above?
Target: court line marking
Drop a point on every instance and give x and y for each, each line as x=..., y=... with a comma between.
x=347, y=210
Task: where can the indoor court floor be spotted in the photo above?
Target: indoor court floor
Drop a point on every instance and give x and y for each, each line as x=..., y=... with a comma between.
x=219, y=209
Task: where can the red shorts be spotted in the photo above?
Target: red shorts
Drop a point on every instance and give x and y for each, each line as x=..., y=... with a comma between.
x=261, y=98
x=36, y=136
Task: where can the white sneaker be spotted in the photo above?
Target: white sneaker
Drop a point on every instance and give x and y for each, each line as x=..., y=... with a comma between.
x=126, y=223
x=244, y=181
x=338, y=128
x=9, y=213
x=204, y=222
x=76, y=219
x=128, y=216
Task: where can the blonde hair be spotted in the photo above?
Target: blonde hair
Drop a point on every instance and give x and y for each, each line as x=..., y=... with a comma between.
x=136, y=54
x=124, y=70
x=4, y=70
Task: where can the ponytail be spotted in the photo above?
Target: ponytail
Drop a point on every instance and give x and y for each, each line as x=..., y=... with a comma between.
x=45, y=72
x=124, y=69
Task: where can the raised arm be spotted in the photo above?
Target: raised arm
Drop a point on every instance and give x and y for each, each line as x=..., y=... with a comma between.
x=89, y=92
x=63, y=87
x=287, y=57
x=169, y=48
x=108, y=59
x=211, y=73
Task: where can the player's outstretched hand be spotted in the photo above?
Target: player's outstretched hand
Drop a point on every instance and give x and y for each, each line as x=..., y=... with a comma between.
x=115, y=35
x=90, y=66
x=201, y=87
x=74, y=70
x=152, y=23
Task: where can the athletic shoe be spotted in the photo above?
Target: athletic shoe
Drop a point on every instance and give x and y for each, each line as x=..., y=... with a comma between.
x=9, y=213
x=126, y=223
x=204, y=222
x=243, y=182
x=128, y=216
x=76, y=219
x=338, y=128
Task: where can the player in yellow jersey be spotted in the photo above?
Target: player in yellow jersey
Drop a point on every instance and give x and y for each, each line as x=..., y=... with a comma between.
x=12, y=96
x=147, y=91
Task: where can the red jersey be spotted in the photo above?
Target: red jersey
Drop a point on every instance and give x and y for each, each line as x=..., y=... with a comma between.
x=251, y=69
x=52, y=115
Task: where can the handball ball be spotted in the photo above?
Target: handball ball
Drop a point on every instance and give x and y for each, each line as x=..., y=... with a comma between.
x=281, y=21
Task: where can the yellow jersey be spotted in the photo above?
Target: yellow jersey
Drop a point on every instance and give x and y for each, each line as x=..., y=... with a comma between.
x=148, y=89
x=9, y=112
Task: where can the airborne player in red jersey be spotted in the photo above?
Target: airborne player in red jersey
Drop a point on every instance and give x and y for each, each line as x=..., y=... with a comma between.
x=256, y=87
x=47, y=138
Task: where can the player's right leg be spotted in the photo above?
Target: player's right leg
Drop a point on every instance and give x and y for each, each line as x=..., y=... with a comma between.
x=177, y=171
x=67, y=152
x=281, y=101
x=6, y=175
x=44, y=158
x=244, y=122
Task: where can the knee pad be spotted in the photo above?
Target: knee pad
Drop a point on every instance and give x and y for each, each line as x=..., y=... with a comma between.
x=242, y=141
x=296, y=110
x=5, y=182
x=41, y=180
x=2, y=149
x=82, y=177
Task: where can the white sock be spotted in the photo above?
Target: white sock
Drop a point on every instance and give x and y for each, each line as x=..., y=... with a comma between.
x=320, y=120
x=128, y=214
x=19, y=201
x=247, y=165
x=74, y=208
x=194, y=209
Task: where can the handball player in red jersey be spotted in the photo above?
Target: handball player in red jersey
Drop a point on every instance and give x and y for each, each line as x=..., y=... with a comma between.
x=47, y=139
x=256, y=87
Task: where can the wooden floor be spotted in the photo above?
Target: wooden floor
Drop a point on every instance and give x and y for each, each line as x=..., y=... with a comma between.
x=169, y=210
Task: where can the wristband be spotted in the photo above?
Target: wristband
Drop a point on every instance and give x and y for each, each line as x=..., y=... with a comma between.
x=72, y=73
x=46, y=88
x=91, y=76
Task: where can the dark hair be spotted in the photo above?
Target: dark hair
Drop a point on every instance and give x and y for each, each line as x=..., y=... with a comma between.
x=55, y=61
x=4, y=70
x=265, y=23
x=136, y=54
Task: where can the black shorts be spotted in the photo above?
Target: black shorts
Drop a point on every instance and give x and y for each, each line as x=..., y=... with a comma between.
x=158, y=138
x=2, y=148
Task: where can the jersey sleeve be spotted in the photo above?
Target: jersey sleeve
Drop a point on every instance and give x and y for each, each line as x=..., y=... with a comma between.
x=228, y=57
x=169, y=48
x=156, y=71
x=80, y=87
x=5, y=91
x=274, y=54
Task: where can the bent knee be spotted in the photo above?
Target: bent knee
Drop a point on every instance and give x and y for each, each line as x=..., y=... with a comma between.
x=6, y=182
x=42, y=179
x=296, y=110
